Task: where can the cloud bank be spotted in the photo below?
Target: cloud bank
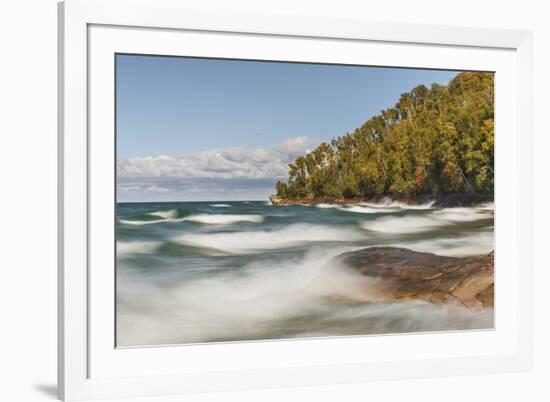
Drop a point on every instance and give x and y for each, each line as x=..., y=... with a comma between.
x=236, y=173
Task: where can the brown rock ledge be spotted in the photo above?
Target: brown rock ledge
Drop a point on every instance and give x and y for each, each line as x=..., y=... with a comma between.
x=439, y=201
x=408, y=274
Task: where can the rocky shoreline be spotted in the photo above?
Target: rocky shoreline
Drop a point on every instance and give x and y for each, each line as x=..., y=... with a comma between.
x=404, y=274
x=440, y=201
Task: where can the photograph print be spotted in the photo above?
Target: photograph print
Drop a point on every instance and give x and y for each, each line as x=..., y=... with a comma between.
x=265, y=200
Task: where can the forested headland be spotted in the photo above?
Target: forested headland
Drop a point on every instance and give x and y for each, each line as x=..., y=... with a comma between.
x=435, y=141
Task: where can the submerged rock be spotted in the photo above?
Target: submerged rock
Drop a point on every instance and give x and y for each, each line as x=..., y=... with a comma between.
x=408, y=274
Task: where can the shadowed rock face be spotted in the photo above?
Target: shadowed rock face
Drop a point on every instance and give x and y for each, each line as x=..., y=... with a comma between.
x=408, y=274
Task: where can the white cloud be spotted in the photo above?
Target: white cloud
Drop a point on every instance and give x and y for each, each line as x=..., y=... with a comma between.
x=143, y=188
x=238, y=170
x=229, y=163
x=295, y=146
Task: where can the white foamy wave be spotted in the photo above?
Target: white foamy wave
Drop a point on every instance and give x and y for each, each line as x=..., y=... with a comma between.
x=423, y=223
x=404, y=224
x=389, y=203
x=229, y=306
x=150, y=222
x=133, y=222
x=461, y=214
x=327, y=206
x=401, y=317
x=220, y=205
x=369, y=210
x=165, y=214
x=490, y=206
x=136, y=247
x=215, y=219
x=468, y=245
x=253, y=241
x=273, y=298
x=428, y=205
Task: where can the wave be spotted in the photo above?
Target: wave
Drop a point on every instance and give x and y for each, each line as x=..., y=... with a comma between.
x=220, y=219
x=490, y=206
x=165, y=214
x=150, y=222
x=208, y=219
x=389, y=203
x=462, y=214
x=271, y=298
x=220, y=205
x=369, y=210
x=423, y=223
x=385, y=206
x=231, y=305
x=428, y=205
x=124, y=249
x=327, y=206
x=253, y=241
x=398, y=318
x=467, y=245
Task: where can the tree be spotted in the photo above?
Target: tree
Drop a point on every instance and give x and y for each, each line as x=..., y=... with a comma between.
x=282, y=189
x=434, y=140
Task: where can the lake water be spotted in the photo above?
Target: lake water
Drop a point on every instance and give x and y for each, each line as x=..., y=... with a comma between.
x=191, y=272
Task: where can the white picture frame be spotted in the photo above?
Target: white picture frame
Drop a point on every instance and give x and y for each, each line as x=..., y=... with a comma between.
x=92, y=31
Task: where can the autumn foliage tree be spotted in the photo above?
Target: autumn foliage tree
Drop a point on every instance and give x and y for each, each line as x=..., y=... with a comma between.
x=434, y=140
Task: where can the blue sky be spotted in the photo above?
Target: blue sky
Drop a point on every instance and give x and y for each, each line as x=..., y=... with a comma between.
x=208, y=129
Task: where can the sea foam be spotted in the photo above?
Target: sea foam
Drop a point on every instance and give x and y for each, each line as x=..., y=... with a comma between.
x=150, y=222
x=425, y=222
x=236, y=304
x=465, y=245
x=223, y=219
x=124, y=249
x=389, y=203
x=271, y=298
x=172, y=213
x=328, y=206
x=253, y=241
x=369, y=209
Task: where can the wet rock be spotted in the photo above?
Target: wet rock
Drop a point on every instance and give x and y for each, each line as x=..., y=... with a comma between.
x=408, y=274
x=439, y=201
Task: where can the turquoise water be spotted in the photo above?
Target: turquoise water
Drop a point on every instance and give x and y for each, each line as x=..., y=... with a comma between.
x=191, y=272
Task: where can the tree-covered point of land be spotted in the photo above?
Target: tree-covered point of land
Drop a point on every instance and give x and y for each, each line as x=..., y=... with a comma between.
x=433, y=141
